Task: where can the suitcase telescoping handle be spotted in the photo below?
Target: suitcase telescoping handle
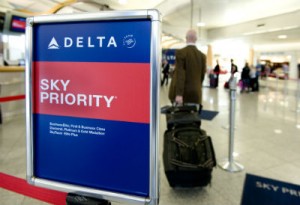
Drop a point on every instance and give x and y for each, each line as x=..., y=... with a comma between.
x=183, y=108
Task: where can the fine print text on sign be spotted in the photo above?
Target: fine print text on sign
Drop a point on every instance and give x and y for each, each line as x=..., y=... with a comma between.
x=74, y=130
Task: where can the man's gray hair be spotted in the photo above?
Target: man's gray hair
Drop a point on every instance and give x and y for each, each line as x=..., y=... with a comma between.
x=191, y=36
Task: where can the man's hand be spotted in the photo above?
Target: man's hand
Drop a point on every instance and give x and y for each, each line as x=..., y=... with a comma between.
x=179, y=100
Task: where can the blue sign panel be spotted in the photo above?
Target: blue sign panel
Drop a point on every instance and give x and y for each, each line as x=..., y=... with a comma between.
x=91, y=104
x=264, y=191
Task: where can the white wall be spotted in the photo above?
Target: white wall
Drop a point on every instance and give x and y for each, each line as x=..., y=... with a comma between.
x=14, y=47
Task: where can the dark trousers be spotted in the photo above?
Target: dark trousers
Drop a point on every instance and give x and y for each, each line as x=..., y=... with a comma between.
x=165, y=79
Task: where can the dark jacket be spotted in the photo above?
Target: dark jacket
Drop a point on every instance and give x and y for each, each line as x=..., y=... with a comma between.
x=217, y=69
x=245, y=73
x=190, y=69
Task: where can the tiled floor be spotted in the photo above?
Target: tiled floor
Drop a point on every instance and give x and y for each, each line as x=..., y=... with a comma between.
x=267, y=143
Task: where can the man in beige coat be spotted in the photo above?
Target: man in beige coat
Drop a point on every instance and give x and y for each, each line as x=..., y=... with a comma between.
x=190, y=69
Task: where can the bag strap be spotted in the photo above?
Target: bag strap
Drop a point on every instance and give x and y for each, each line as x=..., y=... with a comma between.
x=182, y=143
x=182, y=129
x=207, y=164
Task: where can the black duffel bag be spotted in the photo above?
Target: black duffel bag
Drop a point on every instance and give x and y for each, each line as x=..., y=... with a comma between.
x=188, y=157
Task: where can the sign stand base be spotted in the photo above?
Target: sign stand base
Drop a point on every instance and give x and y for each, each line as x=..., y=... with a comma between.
x=74, y=199
x=231, y=166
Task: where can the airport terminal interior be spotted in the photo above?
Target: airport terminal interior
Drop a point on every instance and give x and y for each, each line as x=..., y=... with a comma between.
x=266, y=126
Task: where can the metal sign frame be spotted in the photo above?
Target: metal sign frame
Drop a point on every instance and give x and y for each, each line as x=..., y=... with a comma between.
x=155, y=18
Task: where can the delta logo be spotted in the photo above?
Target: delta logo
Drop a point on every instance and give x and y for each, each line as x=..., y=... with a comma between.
x=90, y=42
x=53, y=44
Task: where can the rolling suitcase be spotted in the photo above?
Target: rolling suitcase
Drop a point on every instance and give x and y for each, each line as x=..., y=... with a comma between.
x=213, y=80
x=188, y=157
x=226, y=85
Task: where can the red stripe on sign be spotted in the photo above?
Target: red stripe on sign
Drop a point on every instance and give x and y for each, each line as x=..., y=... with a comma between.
x=20, y=186
x=109, y=91
x=12, y=98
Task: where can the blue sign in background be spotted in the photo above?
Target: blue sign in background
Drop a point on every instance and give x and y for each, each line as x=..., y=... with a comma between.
x=265, y=191
x=169, y=54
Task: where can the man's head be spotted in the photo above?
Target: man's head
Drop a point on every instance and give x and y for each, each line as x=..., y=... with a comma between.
x=191, y=36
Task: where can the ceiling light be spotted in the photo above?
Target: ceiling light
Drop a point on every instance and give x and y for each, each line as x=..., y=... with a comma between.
x=201, y=24
x=278, y=131
x=282, y=36
x=122, y=2
x=167, y=38
x=290, y=27
x=274, y=29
